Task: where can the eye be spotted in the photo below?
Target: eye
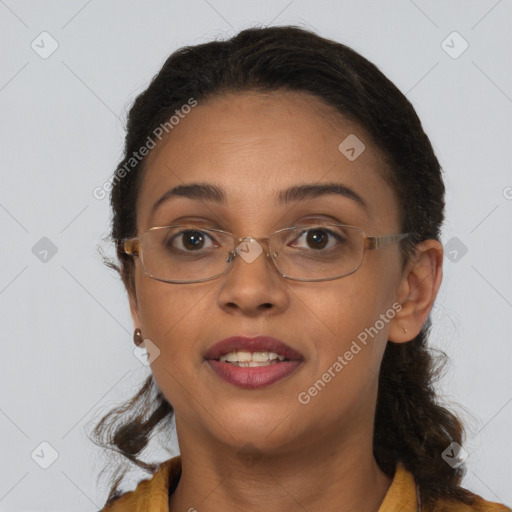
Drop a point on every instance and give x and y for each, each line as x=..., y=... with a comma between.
x=190, y=240
x=318, y=238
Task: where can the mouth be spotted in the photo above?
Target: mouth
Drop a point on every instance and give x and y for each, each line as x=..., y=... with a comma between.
x=252, y=362
x=258, y=349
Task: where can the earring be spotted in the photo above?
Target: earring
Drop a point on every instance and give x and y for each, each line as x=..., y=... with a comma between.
x=405, y=331
x=137, y=337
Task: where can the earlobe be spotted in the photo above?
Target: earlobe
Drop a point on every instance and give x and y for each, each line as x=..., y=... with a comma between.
x=417, y=291
x=134, y=311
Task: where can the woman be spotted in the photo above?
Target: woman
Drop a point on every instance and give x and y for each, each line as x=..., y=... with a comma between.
x=277, y=216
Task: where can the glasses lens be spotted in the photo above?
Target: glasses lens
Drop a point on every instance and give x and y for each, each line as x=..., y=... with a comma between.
x=187, y=253
x=184, y=254
x=318, y=252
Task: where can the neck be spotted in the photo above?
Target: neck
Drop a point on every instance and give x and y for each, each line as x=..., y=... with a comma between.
x=333, y=476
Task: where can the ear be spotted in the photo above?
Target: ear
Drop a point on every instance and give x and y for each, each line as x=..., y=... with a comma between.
x=417, y=291
x=134, y=310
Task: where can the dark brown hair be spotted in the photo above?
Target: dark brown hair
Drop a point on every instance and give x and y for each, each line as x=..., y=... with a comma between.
x=410, y=424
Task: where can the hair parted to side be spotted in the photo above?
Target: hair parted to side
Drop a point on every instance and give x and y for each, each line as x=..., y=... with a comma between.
x=410, y=424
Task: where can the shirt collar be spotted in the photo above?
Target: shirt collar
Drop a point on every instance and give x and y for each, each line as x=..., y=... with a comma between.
x=401, y=495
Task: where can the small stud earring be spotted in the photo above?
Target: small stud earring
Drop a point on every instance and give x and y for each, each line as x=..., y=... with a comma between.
x=405, y=330
x=137, y=337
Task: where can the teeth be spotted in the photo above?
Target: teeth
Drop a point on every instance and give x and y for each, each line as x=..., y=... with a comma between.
x=252, y=359
x=253, y=364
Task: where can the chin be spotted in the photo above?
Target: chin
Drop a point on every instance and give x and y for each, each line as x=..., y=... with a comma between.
x=269, y=431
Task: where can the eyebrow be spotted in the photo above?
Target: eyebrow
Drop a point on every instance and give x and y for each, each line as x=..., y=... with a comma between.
x=214, y=193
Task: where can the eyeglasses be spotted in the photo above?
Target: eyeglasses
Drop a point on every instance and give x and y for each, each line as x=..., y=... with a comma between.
x=189, y=254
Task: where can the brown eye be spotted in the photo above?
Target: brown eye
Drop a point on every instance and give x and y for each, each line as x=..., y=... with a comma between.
x=190, y=240
x=318, y=238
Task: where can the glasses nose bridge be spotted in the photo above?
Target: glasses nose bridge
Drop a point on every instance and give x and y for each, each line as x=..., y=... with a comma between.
x=263, y=242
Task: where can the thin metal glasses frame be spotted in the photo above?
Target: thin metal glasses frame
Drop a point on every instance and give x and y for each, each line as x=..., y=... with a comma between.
x=133, y=246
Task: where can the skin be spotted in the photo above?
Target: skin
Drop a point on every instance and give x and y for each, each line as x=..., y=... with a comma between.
x=304, y=457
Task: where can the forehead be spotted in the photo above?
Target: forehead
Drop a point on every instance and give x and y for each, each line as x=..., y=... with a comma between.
x=256, y=145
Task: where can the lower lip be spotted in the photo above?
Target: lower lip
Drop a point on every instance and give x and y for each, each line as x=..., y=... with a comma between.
x=253, y=378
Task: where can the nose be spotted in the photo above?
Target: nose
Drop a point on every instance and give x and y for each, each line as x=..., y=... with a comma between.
x=253, y=283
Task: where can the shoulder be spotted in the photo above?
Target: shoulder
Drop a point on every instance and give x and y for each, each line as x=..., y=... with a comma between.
x=151, y=493
x=403, y=495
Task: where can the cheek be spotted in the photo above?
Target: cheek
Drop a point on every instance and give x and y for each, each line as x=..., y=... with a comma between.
x=341, y=309
x=173, y=318
x=348, y=347
x=345, y=320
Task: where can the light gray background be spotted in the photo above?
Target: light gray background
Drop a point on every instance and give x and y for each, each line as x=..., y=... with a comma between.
x=66, y=330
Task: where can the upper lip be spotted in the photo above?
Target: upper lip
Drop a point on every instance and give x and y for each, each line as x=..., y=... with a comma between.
x=253, y=344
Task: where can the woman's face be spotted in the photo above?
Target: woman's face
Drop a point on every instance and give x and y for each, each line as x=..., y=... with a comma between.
x=253, y=147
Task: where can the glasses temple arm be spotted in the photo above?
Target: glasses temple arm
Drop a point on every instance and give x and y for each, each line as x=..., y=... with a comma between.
x=375, y=242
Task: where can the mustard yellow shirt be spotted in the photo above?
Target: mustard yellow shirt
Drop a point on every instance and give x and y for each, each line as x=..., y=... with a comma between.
x=152, y=495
